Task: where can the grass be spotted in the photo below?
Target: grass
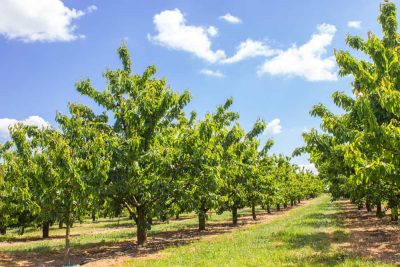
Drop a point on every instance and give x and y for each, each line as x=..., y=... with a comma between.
x=306, y=236
x=102, y=232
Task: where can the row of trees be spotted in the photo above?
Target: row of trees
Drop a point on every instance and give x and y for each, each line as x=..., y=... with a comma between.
x=358, y=152
x=149, y=159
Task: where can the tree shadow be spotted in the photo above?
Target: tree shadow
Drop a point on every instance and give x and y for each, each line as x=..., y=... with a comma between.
x=371, y=237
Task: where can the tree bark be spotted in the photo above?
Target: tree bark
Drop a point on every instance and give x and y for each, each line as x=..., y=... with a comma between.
x=394, y=214
x=278, y=207
x=141, y=225
x=93, y=216
x=253, y=211
x=67, y=237
x=202, y=220
x=298, y=200
x=3, y=230
x=60, y=224
x=368, y=205
x=269, y=208
x=291, y=203
x=45, y=230
x=379, y=212
x=234, y=215
x=285, y=205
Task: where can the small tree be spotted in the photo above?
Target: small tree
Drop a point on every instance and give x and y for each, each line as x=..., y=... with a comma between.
x=144, y=111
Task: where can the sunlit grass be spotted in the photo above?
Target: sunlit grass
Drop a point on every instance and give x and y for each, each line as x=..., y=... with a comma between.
x=307, y=236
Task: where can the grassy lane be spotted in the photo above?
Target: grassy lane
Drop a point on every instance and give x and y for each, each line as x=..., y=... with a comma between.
x=306, y=236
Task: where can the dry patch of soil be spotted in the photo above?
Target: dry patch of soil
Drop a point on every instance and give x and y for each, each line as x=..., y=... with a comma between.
x=371, y=237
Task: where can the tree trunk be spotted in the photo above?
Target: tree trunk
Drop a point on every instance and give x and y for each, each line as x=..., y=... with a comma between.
x=177, y=216
x=379, y=212
x=67, y=237
x=368, y=205
x=291, y=203
x=394, y=214
x=285, y=205
x=278, y=207
x=93, y=216
x=141, y=225
x=253, y=211
x=269, y=209
x=3, y=230
x=298, y=200
x=45, y=230
x=202, y=220
x=60, y=224
x=234, y=215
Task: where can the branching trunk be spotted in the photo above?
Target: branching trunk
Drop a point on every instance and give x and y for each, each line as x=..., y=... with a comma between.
x=141, y=225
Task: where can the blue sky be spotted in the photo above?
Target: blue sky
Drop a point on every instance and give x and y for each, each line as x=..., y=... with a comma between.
x=273, y=57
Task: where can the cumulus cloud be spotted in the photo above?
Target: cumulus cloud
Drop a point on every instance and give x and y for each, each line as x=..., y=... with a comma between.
x=6, y=123
x=212, y=31
x=248, y=49
x=39, y=20
x=230, y=18
x=355, y=24
x=306, y=61
x=273, y=127
x=173, y=32
x=212, y=73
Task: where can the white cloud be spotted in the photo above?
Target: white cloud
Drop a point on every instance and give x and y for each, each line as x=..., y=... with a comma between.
x=39, y=20
x=91, y=9
x=310, y=167
x=173, y=32
x=5, y=123
x=249, y=49
x=212, y=73
x=274, y=127
x=230, y=18
x=212, y=31
x=306, y=61
x=356, y=24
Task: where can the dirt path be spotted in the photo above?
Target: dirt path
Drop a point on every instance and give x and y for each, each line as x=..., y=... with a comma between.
x=371, y=237
x=114, y=254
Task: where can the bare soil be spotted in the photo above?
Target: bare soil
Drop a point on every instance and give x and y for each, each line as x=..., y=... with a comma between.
x=371, y=237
